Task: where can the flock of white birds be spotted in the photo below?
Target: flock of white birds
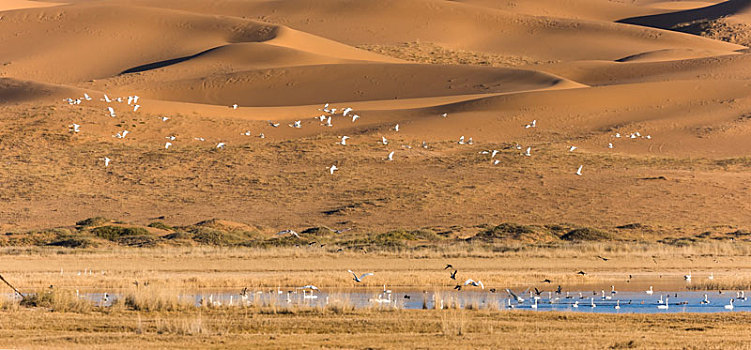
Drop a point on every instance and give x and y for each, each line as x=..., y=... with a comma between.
x=326, y=120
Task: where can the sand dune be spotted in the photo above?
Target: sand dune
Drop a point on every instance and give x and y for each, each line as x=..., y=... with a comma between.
x=583, y=69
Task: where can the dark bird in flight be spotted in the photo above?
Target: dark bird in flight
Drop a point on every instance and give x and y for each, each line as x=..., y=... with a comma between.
x=453, y=275
x=581, y=273
x=603, y=258
x=448, y=266
x=458, y=287
x=547, y=281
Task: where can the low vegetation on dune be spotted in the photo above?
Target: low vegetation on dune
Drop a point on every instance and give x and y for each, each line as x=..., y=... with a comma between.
x=102, y=232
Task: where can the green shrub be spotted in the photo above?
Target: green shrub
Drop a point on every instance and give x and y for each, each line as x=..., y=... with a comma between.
x=586, y=234
x=161, y=226
x=113, y=233
x=95, y=221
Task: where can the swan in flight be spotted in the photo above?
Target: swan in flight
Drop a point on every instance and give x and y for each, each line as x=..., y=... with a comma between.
x=396, y=128
x=332, y=169
x=136, y=107
x=346, y=111
x=171, y=138
x=130, y=100
x=112, y=111
x=477, y=283
x=261, y=135
x=309, y=286
x=496, y=162
x=579, y=171
x=107, y=161
x=167, y=144
x=359, y=279
x=495, y=152
x=572, y=148
x=296, y=125
x=274, y=125
x=122, y=134
x=469, y=142
x=220, y=145
x=355, y=117
x=444, y=115
x=518, y=299
x=533, y=124
x=290, y=232
x=164, y=119
x=528, y=152
x=344, y=140
x=384, y=141
x=424, y=145
x=461, y=140
x=75, y=128
x=107, y=99
x=87, y=97
x=199, y=139
x=234, y=106
x=391, y=156
x=687, y=277
x=610, y=145
x=247, y=133
x=328, y=122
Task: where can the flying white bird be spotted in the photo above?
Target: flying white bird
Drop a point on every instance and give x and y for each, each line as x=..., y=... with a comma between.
x=119, y=99
x=261, y=135
x=199, y=139
x=112, y=111
x=321, y=118
x=296, y=125
x=166, y=145
x=610, y=145
x=164, y=119
x=171, y=138
x=579, y=171
x=533, y=124
x=474, y=283
x=355, y=117
x=617, y=135
x=87, y=97
x=384, y=141
x=444, y=115
x=325, y=108
x=396, y=128
x=309, y=286
x=572, y=148
x=136, y=107
x=528, y=152
x=107, y=161
x=461, y=140
x=648, y=137
x=130, y=99
x=424, y=145
x=469, y=142
x=391, y=156
x=328, y=122
x=344, y=140
x=274, y=125
x=359, y=279
x=75, y=128
x=495, y=152
x=234, y=106
x=107, y=99
x=496, y=162
x=135, y=99
x=122, y=134
x=332, y=169
x=247, y=133
x=346, y=111
x=220, y=145
x=290, y=232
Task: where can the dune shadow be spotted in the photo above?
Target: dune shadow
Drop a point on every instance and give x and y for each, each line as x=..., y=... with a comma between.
x=165, y=63
x=689, y=21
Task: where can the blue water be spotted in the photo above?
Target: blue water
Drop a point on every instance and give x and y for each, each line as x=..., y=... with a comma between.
x=630, y=302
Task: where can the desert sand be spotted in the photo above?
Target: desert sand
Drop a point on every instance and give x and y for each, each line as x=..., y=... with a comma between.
x=585, y=70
